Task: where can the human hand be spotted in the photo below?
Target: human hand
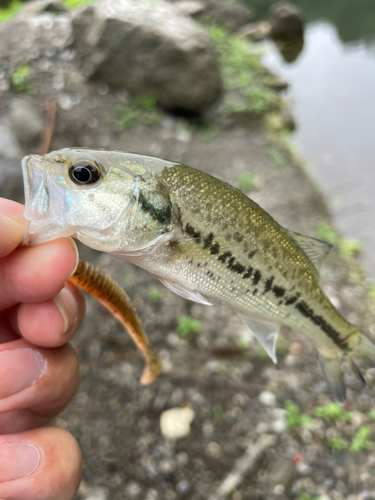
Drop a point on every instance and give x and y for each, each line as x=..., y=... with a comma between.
x=39, y=371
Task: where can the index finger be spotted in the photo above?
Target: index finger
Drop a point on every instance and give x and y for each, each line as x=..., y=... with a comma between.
x=12, y=226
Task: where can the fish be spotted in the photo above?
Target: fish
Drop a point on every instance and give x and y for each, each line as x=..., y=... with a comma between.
x=203, y=238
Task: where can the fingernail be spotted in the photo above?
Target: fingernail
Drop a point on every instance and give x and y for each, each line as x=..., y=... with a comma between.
x=68, y=307
x=17, y=460
x=77, y=258
x=19, y=368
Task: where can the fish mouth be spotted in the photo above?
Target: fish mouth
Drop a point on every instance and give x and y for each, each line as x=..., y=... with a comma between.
x=44, y=203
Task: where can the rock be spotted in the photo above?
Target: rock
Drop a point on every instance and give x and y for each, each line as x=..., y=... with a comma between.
x=26, y=122
x=267, y=398
x=148, y=49
x=175, y=423
x=191, y=8
x=9, y=148
x=39, y=6
x=11, y=182
x=45, y=31
x=255, y=32
x=230, y=16
x=286, y=21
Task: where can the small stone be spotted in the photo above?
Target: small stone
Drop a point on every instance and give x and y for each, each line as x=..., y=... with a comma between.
x=213, y=449
x=279, y=489
x=183, y=487
x=133, y=490
x=97, y=493
x=175, y=423
x=279, y=426
x=267, y=398
x=261, y=428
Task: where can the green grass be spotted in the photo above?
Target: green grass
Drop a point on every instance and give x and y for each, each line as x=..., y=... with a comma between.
x=295, y=417
x=350, y=248
x=246, y=181
x=361, y=440
x=327, y=233
x=155, y=295
x=187, y=326
x=337, y=444
x=276, y=156
x=305, y=496
x=332, y=412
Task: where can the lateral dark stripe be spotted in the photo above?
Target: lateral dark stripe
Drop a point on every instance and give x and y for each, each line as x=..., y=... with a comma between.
x=306, y=311
x=162, y=215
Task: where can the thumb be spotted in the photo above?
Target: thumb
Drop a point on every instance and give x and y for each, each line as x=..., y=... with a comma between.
x=12, y=226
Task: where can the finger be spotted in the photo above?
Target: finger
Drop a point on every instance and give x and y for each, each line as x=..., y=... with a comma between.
x=39, y=464
x=35, y=274
x=21, y=420
x=11, y=226
x=50, y=323
x=43, y=380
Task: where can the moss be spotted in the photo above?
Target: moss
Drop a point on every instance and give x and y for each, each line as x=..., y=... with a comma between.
x=333, y=411
x=361, y=440
x=295, y=417
x=140, y=109
x=9, y=12
x=243, y=76
x=20, y=79
x=74, y=4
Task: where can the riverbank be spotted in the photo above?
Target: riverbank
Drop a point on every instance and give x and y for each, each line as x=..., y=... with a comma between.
x=211, y=364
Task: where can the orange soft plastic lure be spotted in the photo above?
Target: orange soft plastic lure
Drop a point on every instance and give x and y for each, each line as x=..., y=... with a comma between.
x=108, y=292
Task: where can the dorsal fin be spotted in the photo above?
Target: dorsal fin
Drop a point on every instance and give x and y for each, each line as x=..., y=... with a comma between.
x=315, y=250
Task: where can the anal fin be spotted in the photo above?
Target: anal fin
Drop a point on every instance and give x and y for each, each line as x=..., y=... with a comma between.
x=185, y=292
x=265, y=333
x=331, y=368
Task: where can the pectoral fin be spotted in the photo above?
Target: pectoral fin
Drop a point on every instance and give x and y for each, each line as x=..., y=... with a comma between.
x=185, y=292
x=331, y=368
x=265, y=333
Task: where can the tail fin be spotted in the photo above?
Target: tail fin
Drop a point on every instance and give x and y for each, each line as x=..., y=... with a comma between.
x=363, y=352
x=331, y=368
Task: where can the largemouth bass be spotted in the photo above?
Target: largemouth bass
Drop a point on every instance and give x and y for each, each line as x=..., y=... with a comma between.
x=203, y=238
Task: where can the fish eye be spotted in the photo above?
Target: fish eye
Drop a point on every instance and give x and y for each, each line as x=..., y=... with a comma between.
x=84, y=172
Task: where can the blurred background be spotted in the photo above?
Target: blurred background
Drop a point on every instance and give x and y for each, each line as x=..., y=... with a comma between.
x=276, y=99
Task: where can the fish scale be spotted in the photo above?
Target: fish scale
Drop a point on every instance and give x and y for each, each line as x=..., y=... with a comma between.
x=203, y=238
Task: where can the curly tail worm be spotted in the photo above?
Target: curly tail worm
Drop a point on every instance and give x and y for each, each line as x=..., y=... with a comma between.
x=108, y=292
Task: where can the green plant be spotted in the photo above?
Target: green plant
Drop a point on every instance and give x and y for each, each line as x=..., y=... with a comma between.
x=332, y=411
x=74, y=4
x=187, y=326
x=218, y=412
x=154, y=295
x=337, y=444
x=350, y=248
x=327, y=233
x=372, y=414
x=246, y=181
x=141, y=109
x=20, y=79
x=276, y=157
x=305, y=496
x=361, y=440
x=295, y=417
x=13, y=8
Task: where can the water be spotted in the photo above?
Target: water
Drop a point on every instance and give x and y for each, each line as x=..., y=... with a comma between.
x=332, y=87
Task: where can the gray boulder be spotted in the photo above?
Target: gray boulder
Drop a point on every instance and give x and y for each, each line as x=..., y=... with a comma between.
x=26, y=122
x=148, y=48
x=286, y=21
x=229, y=15
x=24, y=36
